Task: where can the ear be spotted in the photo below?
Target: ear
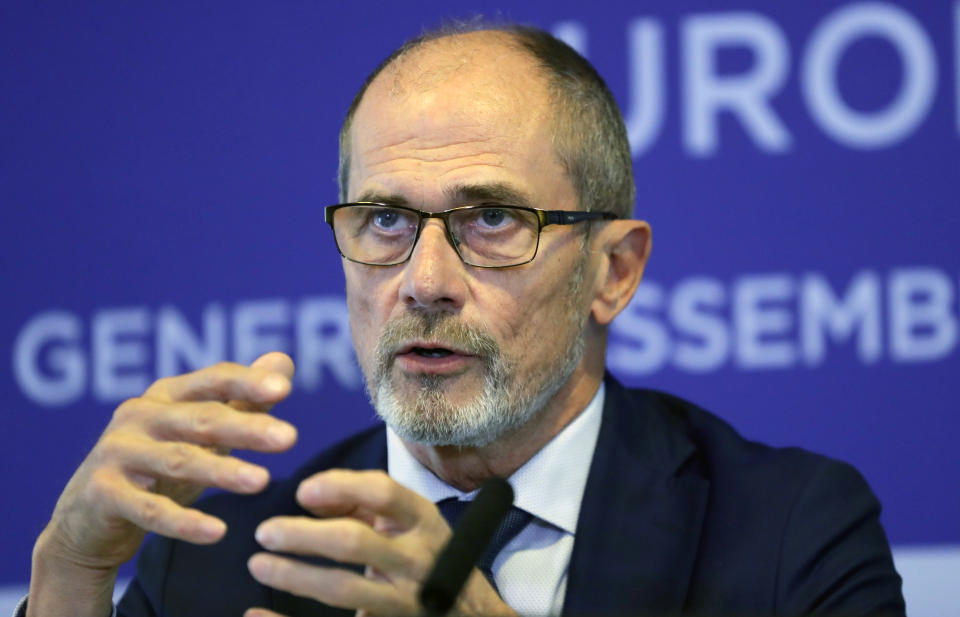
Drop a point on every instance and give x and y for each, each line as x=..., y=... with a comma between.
x=625, y=249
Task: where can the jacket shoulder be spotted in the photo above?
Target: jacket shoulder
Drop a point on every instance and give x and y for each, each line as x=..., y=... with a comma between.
x=714, y=444
x=803, y=527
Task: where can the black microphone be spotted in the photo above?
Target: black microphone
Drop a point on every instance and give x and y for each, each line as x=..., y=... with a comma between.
x=473, y=533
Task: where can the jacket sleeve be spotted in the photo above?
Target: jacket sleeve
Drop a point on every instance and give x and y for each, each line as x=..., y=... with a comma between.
x=144, y=595
x=21, y=608
x=834, y=554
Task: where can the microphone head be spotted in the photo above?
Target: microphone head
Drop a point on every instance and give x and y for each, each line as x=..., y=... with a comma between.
x=473, y=533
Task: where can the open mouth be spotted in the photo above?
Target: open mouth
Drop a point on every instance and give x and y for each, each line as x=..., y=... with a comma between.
x=428, y=357
x=428, y=349
x=431, y=352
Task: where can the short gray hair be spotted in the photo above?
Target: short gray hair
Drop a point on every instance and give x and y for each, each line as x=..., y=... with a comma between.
x=589, y=135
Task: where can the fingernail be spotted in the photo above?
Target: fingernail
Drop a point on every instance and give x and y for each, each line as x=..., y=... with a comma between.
x=306, y=491
x=212, y=528
x=265, y=535
x=275, y=384
x=259, y=566
x=281, y=433
x=312, y=492
x=253, y=477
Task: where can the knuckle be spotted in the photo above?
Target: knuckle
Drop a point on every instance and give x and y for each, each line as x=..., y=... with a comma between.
x=223, y=373
x=204, y=379
x=223, y=376
x=394, y=495
x=385, y=488
x=149, y=513
x=99, y=487
x=350, y=541
x=203, y=419
x=128, y=410
x=177, y=459
x=112, y=450
x=108, y=448
x=415, y=561
x=339, y=589
x=160, y=385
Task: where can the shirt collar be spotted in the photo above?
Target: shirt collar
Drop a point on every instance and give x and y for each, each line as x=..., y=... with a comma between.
x=550, y=485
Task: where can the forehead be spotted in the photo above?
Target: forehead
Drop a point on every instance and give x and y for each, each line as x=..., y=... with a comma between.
x=473, y=103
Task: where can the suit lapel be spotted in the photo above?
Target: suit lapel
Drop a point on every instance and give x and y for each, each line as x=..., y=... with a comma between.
x=641, y=515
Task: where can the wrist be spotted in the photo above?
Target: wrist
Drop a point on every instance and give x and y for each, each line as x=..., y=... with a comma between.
x=62, y=584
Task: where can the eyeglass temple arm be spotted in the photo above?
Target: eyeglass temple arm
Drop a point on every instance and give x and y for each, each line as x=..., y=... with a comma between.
x=571, y=217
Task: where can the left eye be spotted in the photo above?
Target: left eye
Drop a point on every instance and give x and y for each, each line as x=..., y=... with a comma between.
x=494, y=217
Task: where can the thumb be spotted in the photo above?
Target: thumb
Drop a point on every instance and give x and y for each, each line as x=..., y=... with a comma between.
x=275, y=362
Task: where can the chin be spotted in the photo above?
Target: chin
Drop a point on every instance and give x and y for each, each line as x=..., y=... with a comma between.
x=431, y=418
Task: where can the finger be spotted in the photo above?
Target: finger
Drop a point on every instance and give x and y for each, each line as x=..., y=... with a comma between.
x=333, y=586
x=274, y=362
x=260, y=612
x=222, y=382
x=343, y=492
x=210, y=423
x=162, y=515
x=343, y=539
x=189, y=463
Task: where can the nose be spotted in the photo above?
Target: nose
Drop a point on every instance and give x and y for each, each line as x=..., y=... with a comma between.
x=434, y=278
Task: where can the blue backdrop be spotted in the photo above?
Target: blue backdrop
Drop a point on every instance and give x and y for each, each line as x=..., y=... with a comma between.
x=163, y=169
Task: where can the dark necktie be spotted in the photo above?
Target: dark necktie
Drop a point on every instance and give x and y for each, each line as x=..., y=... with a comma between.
x=512, y=524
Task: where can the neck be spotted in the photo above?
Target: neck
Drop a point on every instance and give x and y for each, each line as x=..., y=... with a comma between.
x=466, y=468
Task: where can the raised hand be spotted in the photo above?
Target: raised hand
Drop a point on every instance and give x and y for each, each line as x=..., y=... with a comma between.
x=155, y=457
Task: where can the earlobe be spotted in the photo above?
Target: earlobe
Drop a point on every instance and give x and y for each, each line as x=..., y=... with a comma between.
x=626, y=248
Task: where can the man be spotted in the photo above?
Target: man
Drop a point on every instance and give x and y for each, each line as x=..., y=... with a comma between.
x=480, y=291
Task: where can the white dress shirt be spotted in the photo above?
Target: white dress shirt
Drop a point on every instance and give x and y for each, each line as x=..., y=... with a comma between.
x=531, y=570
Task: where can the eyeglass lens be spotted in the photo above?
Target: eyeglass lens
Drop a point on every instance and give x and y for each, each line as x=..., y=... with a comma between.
x=484, y=236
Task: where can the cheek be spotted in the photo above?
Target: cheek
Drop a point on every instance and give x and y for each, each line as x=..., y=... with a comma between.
x=363, y=311
x=535, y=316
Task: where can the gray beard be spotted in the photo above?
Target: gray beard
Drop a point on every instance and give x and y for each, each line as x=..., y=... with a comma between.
x=502, y=405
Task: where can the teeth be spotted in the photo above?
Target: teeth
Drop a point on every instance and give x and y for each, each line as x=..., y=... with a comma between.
x=432, y=352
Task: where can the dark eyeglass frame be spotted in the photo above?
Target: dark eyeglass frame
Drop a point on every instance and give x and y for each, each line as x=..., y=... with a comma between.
x=544, y=218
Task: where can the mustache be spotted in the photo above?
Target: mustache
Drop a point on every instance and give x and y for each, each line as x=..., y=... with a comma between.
x=442, y=329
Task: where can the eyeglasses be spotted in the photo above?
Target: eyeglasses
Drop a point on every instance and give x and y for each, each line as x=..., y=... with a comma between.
x=486, y=236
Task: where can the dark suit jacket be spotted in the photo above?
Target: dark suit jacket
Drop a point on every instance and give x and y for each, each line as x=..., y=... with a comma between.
x=680, y=515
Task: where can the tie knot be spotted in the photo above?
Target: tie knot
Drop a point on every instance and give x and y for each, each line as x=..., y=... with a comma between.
x=512, y=524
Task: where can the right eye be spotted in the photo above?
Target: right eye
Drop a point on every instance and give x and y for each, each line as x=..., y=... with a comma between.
x=386, y=218
x=388, y=221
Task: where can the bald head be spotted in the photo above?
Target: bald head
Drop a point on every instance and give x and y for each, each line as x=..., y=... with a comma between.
x=512, y=68
x=467, y=79
x=472, y=59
